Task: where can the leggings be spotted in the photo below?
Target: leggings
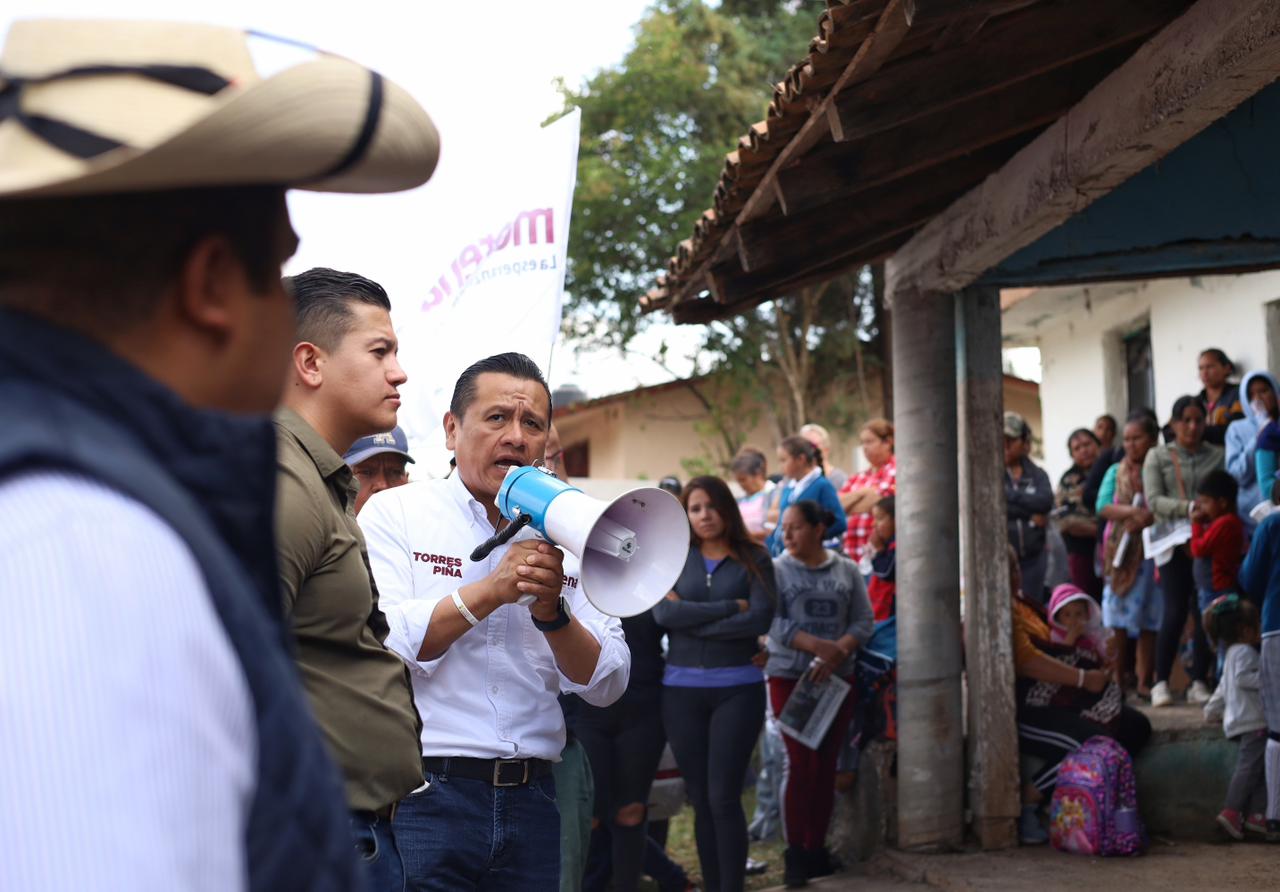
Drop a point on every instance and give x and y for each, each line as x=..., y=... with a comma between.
x=713, y=732
x=1247, y=791
x=624, y=742
x=809, y=778
x=1052, y=733
x=1178, y=589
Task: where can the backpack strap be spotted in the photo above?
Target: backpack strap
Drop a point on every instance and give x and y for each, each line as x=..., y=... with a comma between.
x=1177, y=472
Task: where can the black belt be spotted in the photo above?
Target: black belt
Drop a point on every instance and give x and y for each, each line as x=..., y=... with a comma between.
x=499, y=772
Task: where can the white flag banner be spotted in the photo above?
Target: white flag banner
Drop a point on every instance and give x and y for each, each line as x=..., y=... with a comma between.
x=494, y=281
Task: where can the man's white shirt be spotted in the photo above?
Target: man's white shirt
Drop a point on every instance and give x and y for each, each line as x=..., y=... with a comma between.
x=492, y=694
x=128, y=749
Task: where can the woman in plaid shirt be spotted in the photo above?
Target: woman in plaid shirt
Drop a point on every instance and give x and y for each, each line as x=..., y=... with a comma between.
x=861, y=491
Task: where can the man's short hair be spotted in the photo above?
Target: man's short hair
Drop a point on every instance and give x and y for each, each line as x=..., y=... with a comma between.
x=517, y=365
x=100, y=264
x=323, y=298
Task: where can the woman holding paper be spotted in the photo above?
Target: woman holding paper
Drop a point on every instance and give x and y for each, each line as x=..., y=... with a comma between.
x=1170, y=474
x=1131, y=605
x=823, y=616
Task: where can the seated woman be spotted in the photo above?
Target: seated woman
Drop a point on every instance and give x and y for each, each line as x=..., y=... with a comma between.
x=1065, y=696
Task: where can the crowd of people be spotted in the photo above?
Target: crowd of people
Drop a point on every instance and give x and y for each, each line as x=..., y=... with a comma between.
x=1157, y=544
x=258, y=658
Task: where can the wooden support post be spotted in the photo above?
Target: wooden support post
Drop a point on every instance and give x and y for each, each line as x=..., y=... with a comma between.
x=930, y=736
x=992, y=726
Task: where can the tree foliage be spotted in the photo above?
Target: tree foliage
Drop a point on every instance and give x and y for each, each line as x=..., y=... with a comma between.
x=655, y=131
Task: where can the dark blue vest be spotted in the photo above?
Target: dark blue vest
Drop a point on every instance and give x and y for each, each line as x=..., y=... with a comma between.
x=66, y=403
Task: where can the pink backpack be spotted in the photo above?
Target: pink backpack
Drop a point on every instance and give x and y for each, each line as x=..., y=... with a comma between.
x=1095, y=804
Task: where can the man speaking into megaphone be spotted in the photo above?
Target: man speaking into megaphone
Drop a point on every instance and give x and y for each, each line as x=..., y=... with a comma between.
x=486, y=669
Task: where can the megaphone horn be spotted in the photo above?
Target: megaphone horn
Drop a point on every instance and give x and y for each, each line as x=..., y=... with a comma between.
x=631, y=549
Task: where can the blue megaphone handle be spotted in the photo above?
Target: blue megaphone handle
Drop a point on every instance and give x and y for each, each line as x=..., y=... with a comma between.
x=530, y=491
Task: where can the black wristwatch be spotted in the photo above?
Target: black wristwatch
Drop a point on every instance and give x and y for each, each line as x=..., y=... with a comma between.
x=561, y=620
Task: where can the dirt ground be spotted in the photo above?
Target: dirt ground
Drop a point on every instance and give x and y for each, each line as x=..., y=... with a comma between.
x=1168, y=867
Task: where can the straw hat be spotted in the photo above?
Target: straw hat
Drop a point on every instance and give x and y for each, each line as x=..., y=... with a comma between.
x=91, y=107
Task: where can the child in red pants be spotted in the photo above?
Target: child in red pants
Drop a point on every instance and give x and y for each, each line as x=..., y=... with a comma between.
x=823, y=617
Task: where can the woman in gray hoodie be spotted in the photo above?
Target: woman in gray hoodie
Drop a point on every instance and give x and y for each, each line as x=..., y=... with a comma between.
x=823, y=616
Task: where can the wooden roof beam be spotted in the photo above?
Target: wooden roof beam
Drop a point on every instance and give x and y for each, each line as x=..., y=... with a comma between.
x=1194, y=71
x=893, y=24
x=840, y=226
x=1013, y=49
x=852, y=168
x=750, y=289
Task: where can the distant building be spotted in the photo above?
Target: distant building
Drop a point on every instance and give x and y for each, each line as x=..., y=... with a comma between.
x=647, y=433
x=1120, y=346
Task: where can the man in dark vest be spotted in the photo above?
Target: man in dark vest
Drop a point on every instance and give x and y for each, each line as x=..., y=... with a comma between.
x=153, y=732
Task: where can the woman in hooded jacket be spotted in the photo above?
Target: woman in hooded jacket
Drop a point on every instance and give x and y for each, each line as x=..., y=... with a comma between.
x=1259, y=390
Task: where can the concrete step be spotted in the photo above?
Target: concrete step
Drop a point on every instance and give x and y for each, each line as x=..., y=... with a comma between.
x=1183, y=773
x=1182, y=778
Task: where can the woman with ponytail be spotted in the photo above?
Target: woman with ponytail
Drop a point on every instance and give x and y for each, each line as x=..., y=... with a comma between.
x=823, y=617
x=805, y=478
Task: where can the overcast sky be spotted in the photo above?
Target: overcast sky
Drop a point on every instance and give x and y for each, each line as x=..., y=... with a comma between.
x=484, y=71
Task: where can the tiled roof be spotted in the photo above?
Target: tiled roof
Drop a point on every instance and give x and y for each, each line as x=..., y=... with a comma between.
x=881, y=80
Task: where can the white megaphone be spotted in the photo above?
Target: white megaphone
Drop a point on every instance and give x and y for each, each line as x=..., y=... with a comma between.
x=631, y=549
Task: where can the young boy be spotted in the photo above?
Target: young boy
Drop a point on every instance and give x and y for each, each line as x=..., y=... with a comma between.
x=1260, y=578
x=883, y=588
x=1233, y=622
x=1217, y=537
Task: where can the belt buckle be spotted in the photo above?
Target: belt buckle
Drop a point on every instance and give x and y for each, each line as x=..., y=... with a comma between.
x=499, y=764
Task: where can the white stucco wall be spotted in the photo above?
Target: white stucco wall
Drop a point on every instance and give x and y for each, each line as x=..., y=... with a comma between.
x=1079, y=332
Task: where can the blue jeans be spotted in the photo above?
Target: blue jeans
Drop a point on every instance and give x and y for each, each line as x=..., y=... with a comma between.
x=379, y=856
x=461, y=833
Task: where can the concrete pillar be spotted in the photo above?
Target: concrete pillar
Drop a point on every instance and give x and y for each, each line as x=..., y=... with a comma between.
x=992, y=726
x=930, y=738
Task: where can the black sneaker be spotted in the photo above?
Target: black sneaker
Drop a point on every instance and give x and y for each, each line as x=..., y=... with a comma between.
x=795, y=873
x=754, y=867
x=1273, y=831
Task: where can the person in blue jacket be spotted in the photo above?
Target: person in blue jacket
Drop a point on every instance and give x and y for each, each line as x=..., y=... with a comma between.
x=1260, y=579
x=1259, y=391
x=805, y=478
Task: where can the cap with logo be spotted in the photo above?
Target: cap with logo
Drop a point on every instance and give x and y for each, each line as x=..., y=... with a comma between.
x=393, y=441
x=1015, y=426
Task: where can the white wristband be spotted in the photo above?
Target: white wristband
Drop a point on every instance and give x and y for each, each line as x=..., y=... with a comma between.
x=462, y=608
x=1079, y=681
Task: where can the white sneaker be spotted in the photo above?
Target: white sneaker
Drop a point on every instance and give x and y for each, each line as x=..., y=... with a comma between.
x=1160, y=695
x=1199, y=693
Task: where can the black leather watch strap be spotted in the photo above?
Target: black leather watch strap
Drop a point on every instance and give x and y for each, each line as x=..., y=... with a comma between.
x=561, y=620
